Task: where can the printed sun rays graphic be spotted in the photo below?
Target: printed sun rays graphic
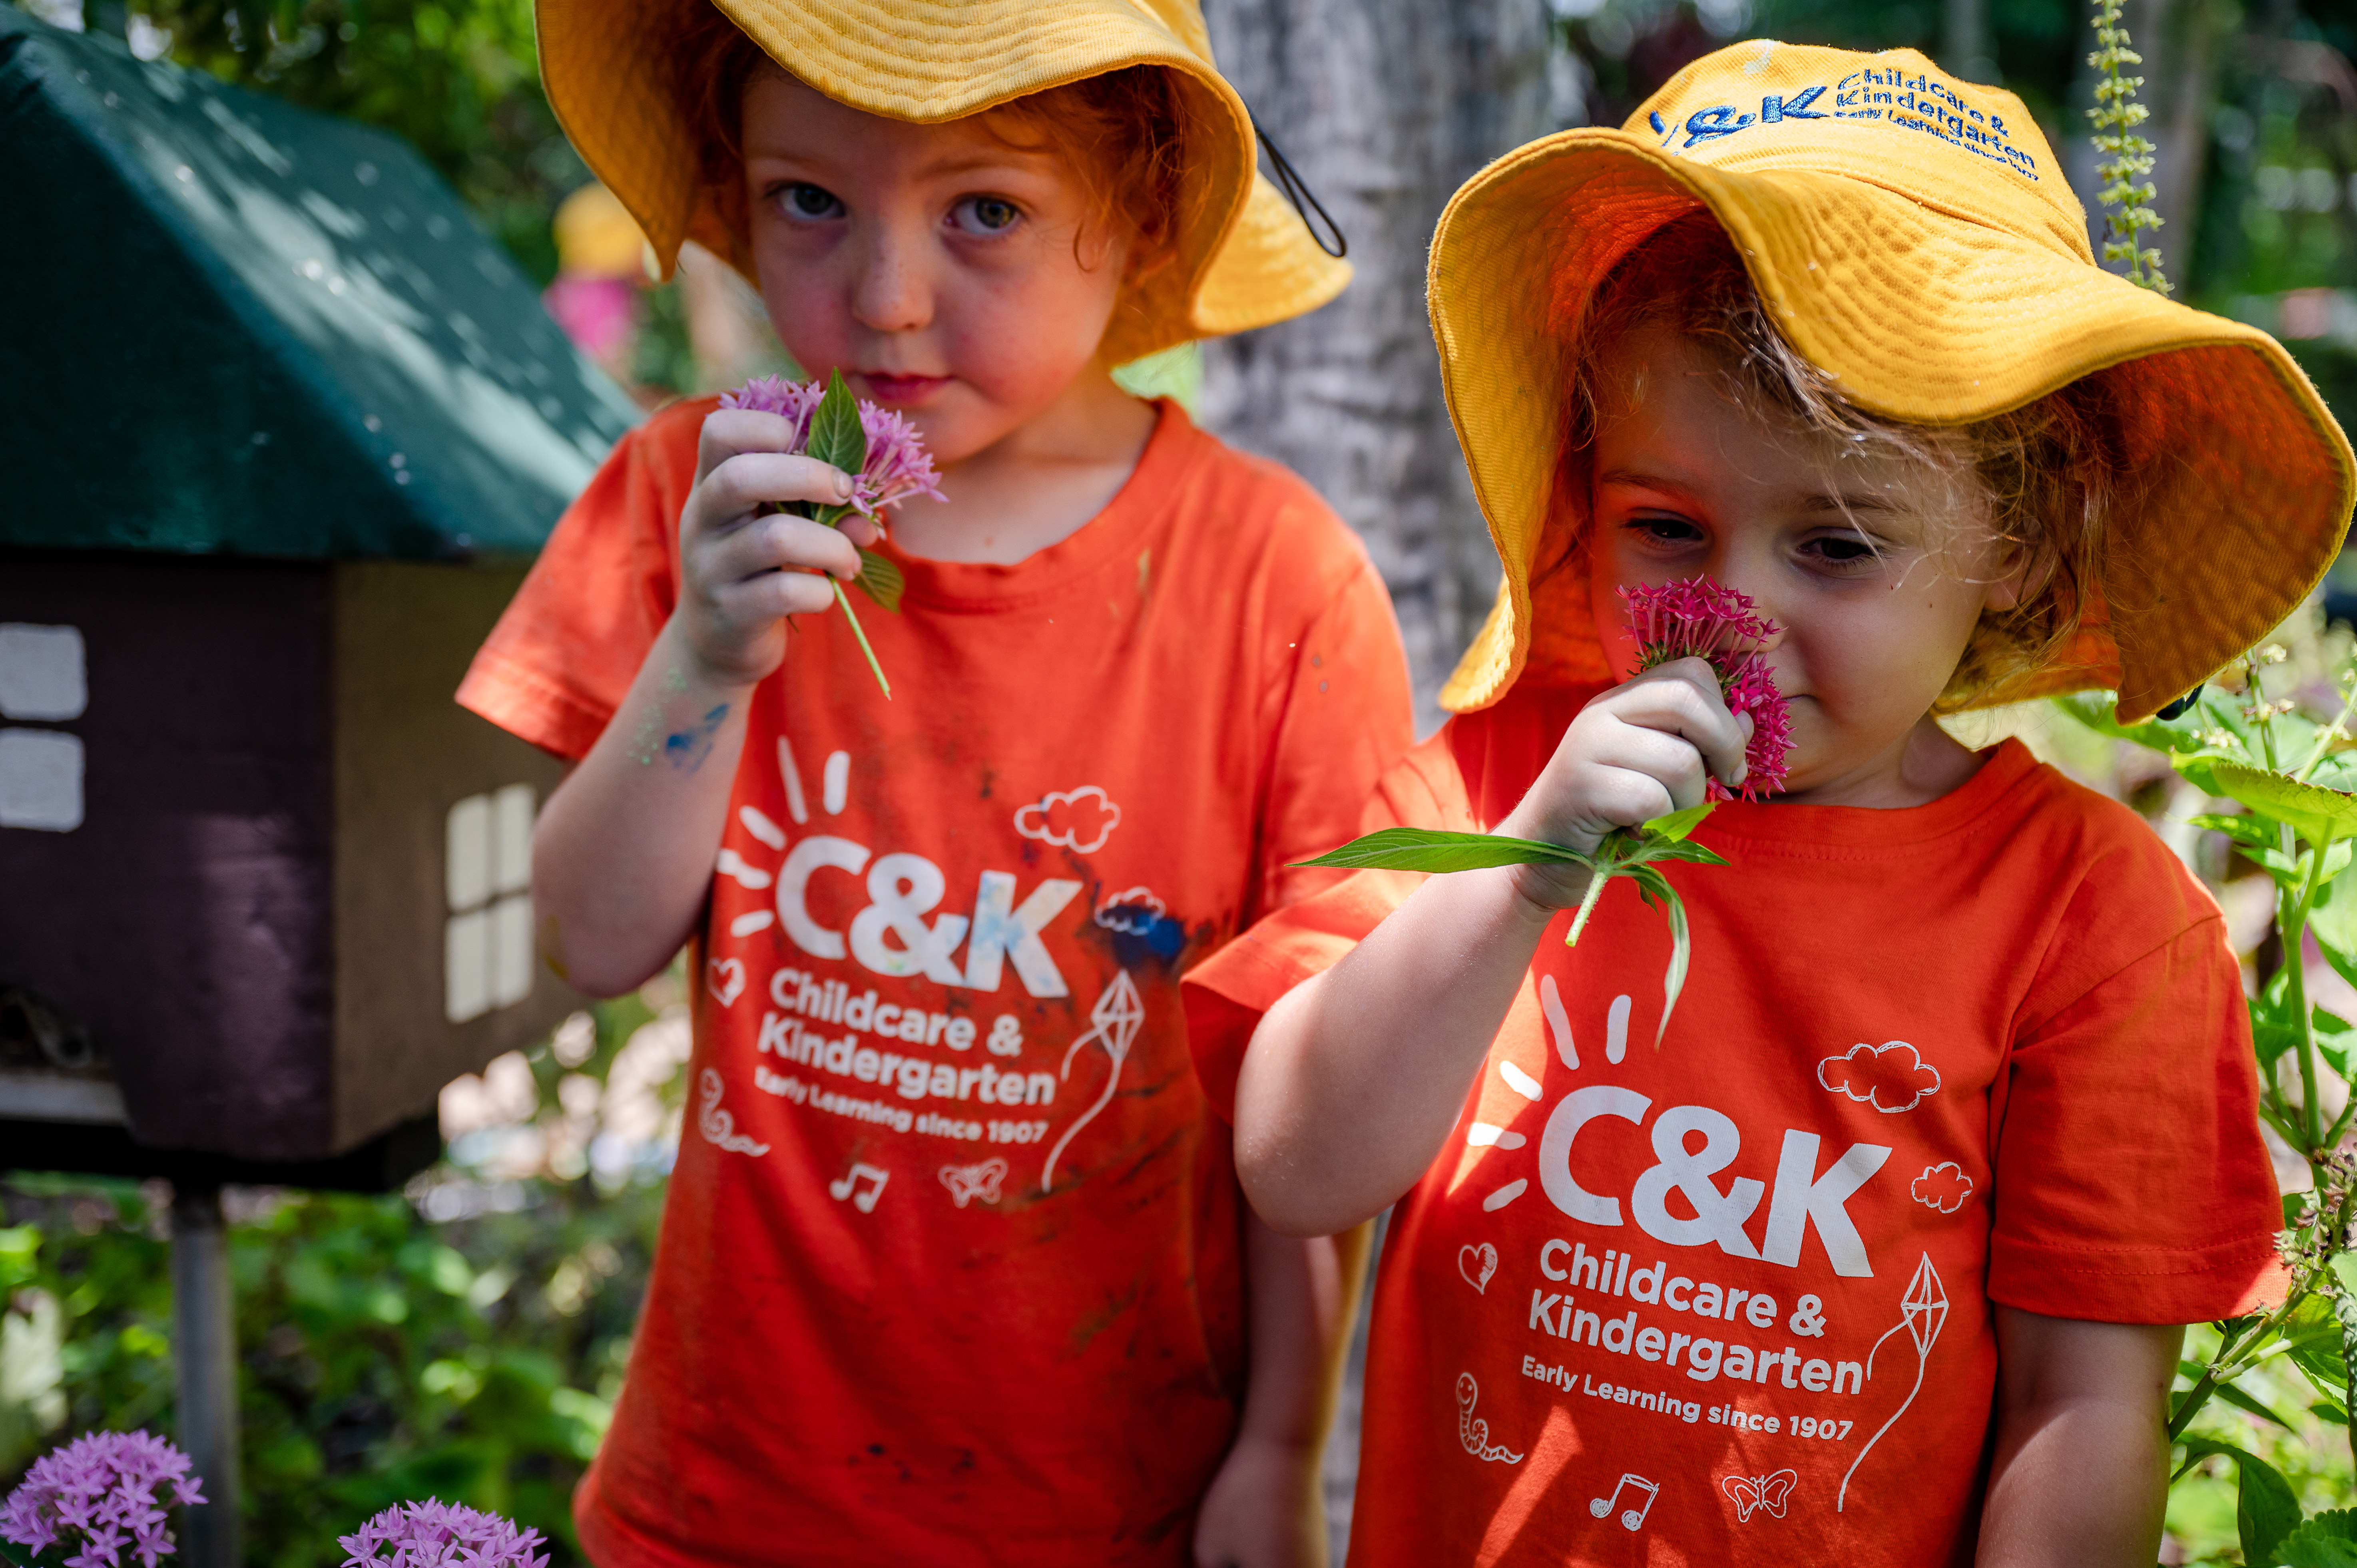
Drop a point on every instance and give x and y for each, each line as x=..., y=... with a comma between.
x=1115, y=1020
x=1488, y=1134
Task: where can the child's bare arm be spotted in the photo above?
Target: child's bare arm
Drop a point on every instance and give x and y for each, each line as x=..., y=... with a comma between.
x=1353, y=1079
x=624, y=851
x=1266, y=1507
x=2080, y=1477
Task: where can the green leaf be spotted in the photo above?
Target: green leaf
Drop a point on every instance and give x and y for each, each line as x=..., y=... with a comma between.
x=881, y=581
x=2248, y=831
x=1685, y=851
x=1655, y=890
x=2265, y=1509
x=2328, y=1540
x=2315, y=813
x=1424, y=849
x=1678, y=824
x=835, y=435
x=2344, y=1303
x=2240, y=1401
x=2334, y=916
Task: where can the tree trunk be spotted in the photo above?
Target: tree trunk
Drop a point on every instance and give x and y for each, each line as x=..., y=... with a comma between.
x=1385, y=106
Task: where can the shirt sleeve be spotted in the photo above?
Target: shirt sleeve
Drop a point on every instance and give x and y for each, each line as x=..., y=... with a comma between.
x=566, y=648
x=1345, y=716
x=2131, y=1183
x=1226, y=994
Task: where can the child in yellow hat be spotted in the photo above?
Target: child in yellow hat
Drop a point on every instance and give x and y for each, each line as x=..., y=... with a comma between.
x=1879, y=1256
x=954, y=1267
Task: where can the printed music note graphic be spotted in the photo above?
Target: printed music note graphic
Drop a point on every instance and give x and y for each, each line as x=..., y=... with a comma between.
x=866, y=1201
x=1630, y=1517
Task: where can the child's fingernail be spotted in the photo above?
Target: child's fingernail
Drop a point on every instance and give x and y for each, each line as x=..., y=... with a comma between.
x=842, y=486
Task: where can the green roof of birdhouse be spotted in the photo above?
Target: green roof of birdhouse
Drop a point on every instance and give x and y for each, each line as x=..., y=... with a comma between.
x=235, y=326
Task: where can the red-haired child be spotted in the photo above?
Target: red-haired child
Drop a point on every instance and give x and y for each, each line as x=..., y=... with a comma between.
x=954, y=1267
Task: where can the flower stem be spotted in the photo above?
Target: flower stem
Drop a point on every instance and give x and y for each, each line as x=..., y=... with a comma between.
x=1597, y=878
x=862, y=635
x=2291, y=921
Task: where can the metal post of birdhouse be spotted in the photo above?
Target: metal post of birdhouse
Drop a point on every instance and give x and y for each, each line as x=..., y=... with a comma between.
x=204, y=1350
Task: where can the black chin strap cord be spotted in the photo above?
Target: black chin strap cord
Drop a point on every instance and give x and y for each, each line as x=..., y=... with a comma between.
x=1304, y=201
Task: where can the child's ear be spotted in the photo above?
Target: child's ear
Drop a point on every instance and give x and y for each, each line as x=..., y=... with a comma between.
x=2019, y=571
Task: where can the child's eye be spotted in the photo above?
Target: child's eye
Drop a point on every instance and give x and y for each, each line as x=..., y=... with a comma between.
x=985, y=215
x=1665, y=530
x=809, y=202
x=1843, y=550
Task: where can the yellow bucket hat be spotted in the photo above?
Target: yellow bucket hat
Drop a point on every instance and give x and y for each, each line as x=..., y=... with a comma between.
x=1912, y=237
x=1244, y=257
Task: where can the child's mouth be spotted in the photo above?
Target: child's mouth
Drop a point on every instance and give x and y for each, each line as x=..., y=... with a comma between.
x=906, y=391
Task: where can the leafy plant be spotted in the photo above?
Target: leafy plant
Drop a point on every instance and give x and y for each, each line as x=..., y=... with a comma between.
x=2293, y=776
x=463, y=1340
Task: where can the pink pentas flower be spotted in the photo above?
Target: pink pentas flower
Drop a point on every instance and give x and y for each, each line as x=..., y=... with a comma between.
x=105, y=1494
x=435, y=1534
x=1698, y=619
x=897, y=465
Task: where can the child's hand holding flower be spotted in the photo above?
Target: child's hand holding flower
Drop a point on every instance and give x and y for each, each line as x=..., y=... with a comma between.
x=1700, y=722
x=791, y=479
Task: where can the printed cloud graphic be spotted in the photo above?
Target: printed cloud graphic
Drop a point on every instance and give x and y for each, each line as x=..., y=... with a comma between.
x=1079, y=819
x=1134, y=911
x=1943, y=1187
x=1889, y=1077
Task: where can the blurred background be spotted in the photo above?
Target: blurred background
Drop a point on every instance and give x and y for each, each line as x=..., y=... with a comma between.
x=466, y=1337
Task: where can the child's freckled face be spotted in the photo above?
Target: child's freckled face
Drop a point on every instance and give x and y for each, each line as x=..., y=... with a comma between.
x=947, y=275
x=1876, y=568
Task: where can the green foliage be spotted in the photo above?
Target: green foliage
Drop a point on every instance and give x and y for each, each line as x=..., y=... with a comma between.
x=384, y=1356
x=1633, y=854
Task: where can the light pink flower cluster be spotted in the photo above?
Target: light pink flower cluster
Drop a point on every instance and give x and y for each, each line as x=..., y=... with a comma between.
x=102, y=1493
x=1700, y=619
x=897, y=465
x=434, y=1534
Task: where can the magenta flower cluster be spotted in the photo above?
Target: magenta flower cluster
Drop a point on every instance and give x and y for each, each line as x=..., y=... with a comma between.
x=441, y=1535
x=897, y=465
x=104, y=1494
x=1701, y=619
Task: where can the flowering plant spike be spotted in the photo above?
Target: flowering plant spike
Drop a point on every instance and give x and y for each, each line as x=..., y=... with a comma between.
x=435, y=1534
x=107, y=1495
x=1697, y=619
x=879, y=449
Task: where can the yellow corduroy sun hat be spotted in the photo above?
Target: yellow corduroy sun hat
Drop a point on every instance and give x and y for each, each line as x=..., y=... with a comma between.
x=1245, y=258
x=1911, y=236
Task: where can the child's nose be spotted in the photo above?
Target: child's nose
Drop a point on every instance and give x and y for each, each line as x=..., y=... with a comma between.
x=890, y=294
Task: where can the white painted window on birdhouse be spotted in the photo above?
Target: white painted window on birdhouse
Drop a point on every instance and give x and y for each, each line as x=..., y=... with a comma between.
x=487, y=948
x=44, y=676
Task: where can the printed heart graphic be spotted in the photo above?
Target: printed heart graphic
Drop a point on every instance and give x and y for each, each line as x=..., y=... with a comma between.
x=726, y=977
x=1477, y=1264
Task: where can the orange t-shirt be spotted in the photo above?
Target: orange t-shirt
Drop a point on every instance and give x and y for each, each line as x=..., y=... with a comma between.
x=1732, y=1300
x=951, y=1264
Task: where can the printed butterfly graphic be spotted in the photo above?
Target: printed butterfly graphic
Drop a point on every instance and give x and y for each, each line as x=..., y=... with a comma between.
x=1752, y=1493
x=967, y=1183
